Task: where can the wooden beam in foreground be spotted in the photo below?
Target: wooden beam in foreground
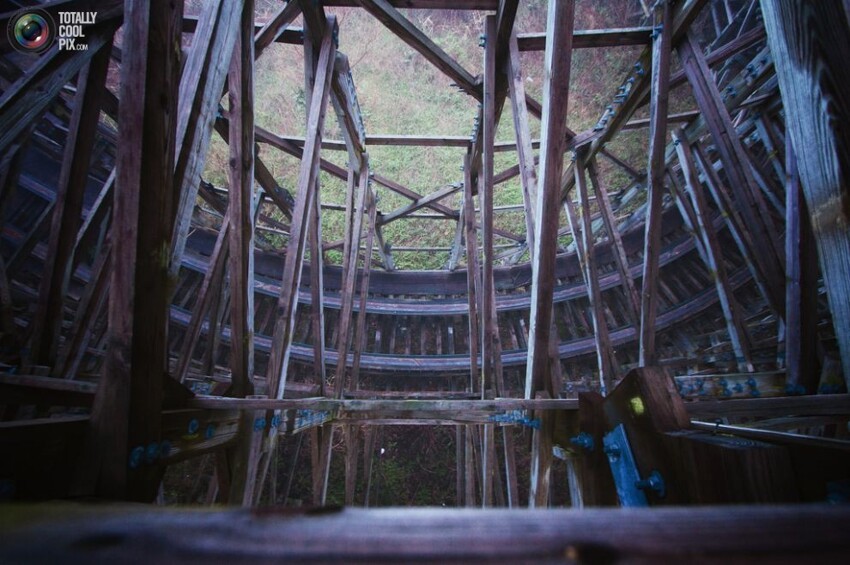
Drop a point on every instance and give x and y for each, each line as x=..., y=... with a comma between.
x=590, y=38
x=811, y=47
x=553, y=135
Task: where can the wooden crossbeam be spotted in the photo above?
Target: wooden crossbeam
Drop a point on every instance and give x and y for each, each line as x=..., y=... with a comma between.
x=590, y=38
x=275, y=28
x=360, y=336
x=384, y=12
x=419, y=203
x=406, y=192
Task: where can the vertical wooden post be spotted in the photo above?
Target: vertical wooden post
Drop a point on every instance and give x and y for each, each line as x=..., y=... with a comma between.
x=360, y=341
x=351, y=459
x=241, y=238
x=661, y=45
x=510, y=467
x=488, y=464
x=126, y=412
x=811, y=46
x=559, y=35
x=485, y=189
x=472, y=278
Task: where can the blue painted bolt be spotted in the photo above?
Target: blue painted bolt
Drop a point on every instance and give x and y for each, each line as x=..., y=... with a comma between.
x=655, y=483
x=583, y=440
x=165, y=448
x=136, y=456
x=210, y=431
x=194, y=425
x=276, y=421
x=259, y=424
x=612, y=451
x=152, y=453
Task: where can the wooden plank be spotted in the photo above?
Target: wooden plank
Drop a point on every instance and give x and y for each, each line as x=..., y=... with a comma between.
x=553, y=136
x=273, y=28
x=70, y=190
x=713, y=255
x=407, y=193
x=348, y=286
x=762, y=533
x=606, y=361
x=603, y=202
x=128, y=402
x=384, y=12
x=660, y=80
x=472, y=278
x=801, y=287
x=492, y=406
x=419, y=203
x=287, y=302
x=242, y=195
x=590, y=38
x=360, y=337
x=519, y=110
x=201, y=87
x=489, y=323
x=351, y=459
x=488, y=464
x=809, y=42
x=510, y=468
x=347, y=108
x=541, y=458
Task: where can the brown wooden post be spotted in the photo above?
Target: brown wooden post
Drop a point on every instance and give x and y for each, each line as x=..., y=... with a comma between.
x=126, y=412
x=472, y=278
x=810, y=44
x=658, y=104
x=556, y=95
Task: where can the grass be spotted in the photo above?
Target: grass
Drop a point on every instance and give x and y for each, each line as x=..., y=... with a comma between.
x=402, y=93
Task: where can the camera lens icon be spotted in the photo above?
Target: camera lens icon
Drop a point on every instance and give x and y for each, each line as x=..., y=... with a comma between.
x=31, y=31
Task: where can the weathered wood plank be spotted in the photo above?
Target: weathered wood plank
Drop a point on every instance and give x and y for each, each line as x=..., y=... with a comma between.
x=810, y=42
x=590, y=38
x=553, y=136
x=660, y=81
x=472, y=277
x=129, y=398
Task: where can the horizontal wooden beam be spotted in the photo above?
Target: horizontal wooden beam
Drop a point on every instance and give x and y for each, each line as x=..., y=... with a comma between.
x=389, y=405
x=716, y=535
x=292, y=36
x=425, y=4
x=586, y=38
x=420, y=203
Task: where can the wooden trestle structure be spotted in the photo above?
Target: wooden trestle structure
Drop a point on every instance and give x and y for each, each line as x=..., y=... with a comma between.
x=714, y=286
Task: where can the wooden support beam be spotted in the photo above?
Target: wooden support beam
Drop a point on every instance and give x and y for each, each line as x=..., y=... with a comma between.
x=713, y=255
x=809, y=41
x=345, y=332
x=128, y=403
x=287, y=302
x=201, y=87
x=591, y=38
x=240, y=214
x=407, y=193
x=553, y=136
x=351, y=460
x=528, y=174
x=360, y=337
x=658, y=104
x=419, y=203
x=541, y=458
x=490, y=330
x=736, y=166
x=603, y=202
x=801, y=336
x=70, y=190
x=275, y=27
x=488, y=464
x=472, y=278
x=384, y=12
x=606, y=361
x=469, y=457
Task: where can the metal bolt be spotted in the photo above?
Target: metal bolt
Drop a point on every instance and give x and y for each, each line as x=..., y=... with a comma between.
x=583, y=440
x=152, y=453
x=259, y=424
x=612, y=451
x=193, y=426
x=164, y=448
x=655, y=483
x=136, y=456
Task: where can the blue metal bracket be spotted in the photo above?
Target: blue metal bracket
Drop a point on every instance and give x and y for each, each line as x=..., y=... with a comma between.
x=623, y=467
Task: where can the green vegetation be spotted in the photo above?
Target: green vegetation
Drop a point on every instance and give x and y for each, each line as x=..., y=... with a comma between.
x=402, y=93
